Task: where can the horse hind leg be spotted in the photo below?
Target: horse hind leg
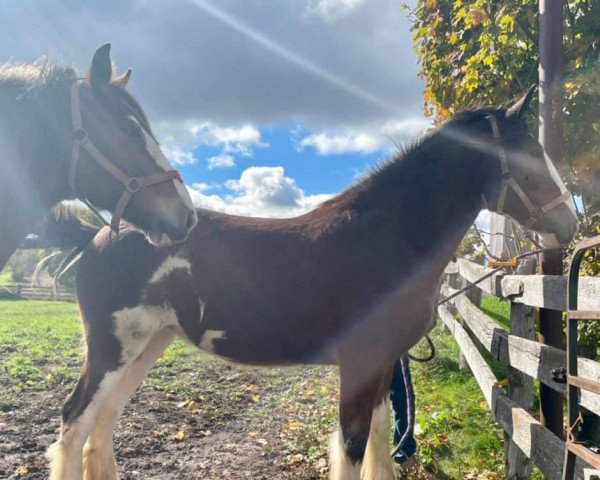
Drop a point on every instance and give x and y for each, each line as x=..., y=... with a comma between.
x=377, y=463
x=98, y=455
x=361, y=389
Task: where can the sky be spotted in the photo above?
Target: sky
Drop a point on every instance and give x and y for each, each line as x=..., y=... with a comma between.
x=267, y=108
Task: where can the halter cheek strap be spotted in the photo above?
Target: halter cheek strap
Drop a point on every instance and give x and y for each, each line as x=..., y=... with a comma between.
x=508, y=181
x=131, y=184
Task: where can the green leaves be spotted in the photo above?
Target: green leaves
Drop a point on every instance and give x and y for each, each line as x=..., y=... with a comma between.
x=484, y=51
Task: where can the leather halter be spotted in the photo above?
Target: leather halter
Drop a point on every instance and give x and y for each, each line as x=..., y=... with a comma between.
x=508, y=181
x=131, y=185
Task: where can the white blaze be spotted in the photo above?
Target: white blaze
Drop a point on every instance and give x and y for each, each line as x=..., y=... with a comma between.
x=156, y=153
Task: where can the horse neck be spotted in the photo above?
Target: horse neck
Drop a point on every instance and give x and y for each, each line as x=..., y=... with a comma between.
x=429, y=197
x=34, y=153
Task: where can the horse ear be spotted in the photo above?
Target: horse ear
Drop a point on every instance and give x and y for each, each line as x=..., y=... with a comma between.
x=123, y=79
x=519, y=108
x=101, y=69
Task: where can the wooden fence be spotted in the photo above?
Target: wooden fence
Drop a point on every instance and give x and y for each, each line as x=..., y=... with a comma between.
x=29, y=292
x=526, y=439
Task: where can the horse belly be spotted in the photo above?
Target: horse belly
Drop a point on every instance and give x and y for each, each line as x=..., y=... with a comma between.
x=262, y=343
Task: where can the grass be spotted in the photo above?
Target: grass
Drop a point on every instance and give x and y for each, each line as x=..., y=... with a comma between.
x=40, y=347
x=6, y=277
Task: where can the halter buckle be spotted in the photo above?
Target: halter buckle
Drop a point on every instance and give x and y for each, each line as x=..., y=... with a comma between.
x=133, y=186
x=80, y=136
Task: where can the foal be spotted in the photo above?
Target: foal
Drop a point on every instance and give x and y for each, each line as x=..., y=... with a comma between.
x=352, y=283
x=63, y=137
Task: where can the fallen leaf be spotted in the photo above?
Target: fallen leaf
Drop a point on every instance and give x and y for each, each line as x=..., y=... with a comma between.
x=22, y=471
x=179, y=436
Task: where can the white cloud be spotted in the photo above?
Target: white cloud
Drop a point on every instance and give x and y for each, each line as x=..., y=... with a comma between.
x=366, y=141
x=220, y=161
x=180, y=139
x=406, y=128
x=238, y=141
x=331, y=10
x=259, y=192
x=332, y=144
x=177, y=156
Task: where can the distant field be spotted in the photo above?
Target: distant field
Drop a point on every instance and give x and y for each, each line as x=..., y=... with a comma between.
x=5, y=277
x=198, y=417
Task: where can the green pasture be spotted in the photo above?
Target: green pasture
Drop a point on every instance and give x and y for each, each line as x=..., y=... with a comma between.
x=40, y=347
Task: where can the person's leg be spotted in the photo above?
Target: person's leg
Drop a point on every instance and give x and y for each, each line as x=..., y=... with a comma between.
x=403, y=404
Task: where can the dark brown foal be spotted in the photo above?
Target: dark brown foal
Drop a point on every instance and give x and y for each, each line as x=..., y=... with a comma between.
x=352, y=283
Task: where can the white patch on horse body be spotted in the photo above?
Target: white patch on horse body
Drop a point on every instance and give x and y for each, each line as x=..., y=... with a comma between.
x=377, y=464
x=133, y=327
x=157, y=154
x=340, y=465
x=170, y=264
x=207, y=342
x=202, y=307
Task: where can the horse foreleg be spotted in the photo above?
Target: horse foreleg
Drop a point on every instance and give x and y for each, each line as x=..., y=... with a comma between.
x=361, y=390
x=98, y=455
x=79, y=413
x=113, y=347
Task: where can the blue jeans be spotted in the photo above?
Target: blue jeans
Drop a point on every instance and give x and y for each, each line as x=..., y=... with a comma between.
x=403, y=405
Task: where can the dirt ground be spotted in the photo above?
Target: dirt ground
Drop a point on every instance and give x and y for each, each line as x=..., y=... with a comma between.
x=148, y=444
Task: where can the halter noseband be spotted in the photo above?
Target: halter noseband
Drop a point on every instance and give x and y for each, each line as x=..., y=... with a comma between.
x=508, y=181
x=131, y=184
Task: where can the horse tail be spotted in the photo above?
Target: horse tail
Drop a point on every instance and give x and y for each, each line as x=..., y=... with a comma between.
x=65, y=232
x=62, y=228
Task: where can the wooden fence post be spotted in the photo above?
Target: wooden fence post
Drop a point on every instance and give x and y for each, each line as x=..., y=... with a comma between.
x=520, y=386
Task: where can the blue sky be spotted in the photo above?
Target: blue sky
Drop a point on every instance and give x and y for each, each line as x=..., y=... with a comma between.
x=266, y=108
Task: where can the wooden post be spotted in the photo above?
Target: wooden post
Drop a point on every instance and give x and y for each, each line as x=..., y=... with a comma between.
x=520, y=386
x=551, y=138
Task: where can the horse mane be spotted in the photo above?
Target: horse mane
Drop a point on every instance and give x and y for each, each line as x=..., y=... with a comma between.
x=31, y=76
x=414, y=155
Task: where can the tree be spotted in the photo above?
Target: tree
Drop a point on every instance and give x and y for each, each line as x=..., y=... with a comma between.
x=486, y=52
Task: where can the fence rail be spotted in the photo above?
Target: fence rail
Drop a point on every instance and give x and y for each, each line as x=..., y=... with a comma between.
x=29, y=292
x=474, y=331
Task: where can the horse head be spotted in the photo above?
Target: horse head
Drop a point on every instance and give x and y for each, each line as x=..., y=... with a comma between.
x=117, y=163
x=526, y=185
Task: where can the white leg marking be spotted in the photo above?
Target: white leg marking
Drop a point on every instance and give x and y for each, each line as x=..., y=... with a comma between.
x=66, y=454
x=378, y=464
x=340, y=466
x=169, y=265
x=207, y=342
x=134, y=327
x=98, y=457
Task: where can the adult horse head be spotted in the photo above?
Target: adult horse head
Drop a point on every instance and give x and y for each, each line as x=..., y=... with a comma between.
x=66, y=137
